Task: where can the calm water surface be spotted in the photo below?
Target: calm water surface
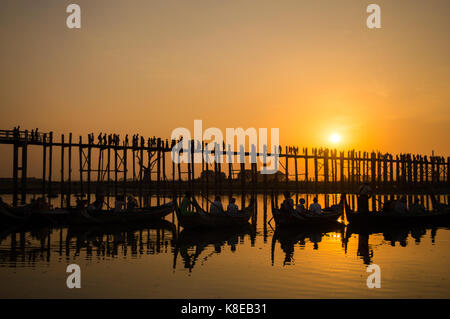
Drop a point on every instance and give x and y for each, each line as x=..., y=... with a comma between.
x=253, y=262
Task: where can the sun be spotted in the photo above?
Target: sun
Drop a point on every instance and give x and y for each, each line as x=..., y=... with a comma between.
x=335, y=138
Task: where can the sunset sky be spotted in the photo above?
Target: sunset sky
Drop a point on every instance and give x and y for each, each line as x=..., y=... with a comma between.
x=310, y=68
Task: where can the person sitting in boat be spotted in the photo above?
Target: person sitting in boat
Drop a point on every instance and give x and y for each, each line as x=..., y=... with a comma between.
x=387, y=206
x=185, y=203
x=232, y=207
x=301, y=206
x=364, y=194
x=119, y=205
x=288, y=204
x=39, y=204
x=399, y=206
x=131, y=203
x=417, y=207
x=300, y=209
x=91, y=208
x=97, y=204
x=216, y=207
x=315, y=207
x=80, y=204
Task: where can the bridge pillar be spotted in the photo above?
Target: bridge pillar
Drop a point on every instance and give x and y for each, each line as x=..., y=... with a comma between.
x=20, y=146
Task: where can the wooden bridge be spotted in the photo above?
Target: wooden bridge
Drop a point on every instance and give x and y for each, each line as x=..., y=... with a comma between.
x=137, y=165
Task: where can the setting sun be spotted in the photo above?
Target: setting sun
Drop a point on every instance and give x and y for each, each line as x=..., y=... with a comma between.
x=335, y=138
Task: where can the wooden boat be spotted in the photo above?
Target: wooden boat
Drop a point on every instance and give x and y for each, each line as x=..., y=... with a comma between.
x=296, y=219
x=56, y=216
x=202, y=219
x=26, y=215
x=146, y=214
x=31, y=213
x=8, y=215
x=439, y=214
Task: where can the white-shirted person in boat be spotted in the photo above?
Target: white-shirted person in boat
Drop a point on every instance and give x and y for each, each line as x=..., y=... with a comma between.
x=301, y=206
x=315, y=207
x=232, y=207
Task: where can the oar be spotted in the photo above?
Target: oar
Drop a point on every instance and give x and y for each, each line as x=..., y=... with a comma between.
x=206, y=198
x=378, y=200
x=272, y=213
x=270, y=225
x=374, y=197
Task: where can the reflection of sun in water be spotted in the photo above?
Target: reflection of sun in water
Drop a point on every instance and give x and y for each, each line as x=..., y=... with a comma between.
x=335, y=138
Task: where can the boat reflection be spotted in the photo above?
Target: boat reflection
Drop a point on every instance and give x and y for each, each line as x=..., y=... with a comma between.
x=289, y=237
x=393, y=235
x=146, y=238
x=192, y=243
x=27, y=246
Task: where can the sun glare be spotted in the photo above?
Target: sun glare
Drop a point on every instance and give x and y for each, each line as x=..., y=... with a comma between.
x=335, y=138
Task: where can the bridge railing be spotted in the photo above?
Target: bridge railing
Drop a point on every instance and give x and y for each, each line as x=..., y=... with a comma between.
x=29, y=136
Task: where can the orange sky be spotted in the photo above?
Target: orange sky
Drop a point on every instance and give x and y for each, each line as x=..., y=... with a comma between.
x=310, y=68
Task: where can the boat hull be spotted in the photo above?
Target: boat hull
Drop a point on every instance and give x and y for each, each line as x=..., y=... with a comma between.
x=204, y=220
x=109, y=217
x=82, y=216
x=291, y=219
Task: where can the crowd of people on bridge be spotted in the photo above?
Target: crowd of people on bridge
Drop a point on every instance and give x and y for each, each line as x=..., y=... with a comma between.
x=104, y=139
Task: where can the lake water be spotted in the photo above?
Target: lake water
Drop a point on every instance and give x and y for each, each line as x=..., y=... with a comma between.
x=253, y=262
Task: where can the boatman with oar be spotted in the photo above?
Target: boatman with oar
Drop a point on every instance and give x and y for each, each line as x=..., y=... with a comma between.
x=185, y=202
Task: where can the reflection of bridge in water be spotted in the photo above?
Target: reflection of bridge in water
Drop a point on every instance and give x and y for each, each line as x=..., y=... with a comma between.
x=140, y=166
x=191, y=243
x=391, y=235
x=398, y=236
x=21, y=246
x=27, y=247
